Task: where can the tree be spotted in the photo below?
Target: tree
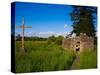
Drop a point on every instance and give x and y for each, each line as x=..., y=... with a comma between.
x=18, y=37
x=83, y=20
x=51, y=39
x=59, y=40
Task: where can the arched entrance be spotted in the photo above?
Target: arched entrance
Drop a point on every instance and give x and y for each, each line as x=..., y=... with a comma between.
x=77, y=47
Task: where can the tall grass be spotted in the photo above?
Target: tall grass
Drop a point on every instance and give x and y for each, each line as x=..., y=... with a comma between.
x=42, y=56
x=88, y=59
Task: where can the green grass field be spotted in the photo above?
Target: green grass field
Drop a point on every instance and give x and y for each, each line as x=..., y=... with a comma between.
x=88, y=59
x=41, y=56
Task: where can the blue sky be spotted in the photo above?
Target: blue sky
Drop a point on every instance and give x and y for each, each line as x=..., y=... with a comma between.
x=45, y=19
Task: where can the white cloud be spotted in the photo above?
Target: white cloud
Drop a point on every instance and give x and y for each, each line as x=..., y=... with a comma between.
x=30, y=32
x=46, y=34
x=65, y=26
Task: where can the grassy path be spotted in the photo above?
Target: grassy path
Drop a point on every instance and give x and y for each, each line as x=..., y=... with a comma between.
x=76, y=63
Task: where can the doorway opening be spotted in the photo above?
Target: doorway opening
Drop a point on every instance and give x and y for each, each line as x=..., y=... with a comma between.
x=77, y=49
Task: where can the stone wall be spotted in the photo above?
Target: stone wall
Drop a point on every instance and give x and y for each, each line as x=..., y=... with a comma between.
x=78, y=43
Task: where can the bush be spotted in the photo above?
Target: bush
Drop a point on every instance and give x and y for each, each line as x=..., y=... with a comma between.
x=51, y=39
x=56, y=40
x=59, y=40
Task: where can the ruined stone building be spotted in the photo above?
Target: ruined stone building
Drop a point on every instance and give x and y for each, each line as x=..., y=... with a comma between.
x=78, y=43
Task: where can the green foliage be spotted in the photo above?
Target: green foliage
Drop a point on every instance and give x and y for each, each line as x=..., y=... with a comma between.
x=30, y=38
x=41, y=56
x=51, y=39
x=18, y=37
x=59, y=40
x=88, y=59
x=56, y=40
x=83, y=20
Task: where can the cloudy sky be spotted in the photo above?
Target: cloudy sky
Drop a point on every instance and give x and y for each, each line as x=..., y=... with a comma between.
x=45, y=19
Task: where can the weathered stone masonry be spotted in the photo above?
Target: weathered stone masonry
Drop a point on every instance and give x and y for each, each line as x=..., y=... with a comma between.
x=78, y=43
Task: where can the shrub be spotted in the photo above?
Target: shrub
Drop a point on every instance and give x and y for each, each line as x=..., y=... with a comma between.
x=51, y=39
x=58, y=40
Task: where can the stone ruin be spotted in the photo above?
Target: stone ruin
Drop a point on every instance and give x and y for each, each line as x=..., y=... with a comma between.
x=78, y=43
